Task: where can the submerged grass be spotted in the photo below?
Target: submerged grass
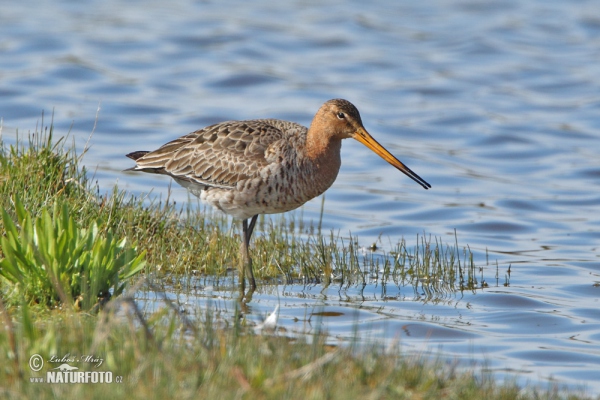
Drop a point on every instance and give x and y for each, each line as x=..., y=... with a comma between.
x=164, y=355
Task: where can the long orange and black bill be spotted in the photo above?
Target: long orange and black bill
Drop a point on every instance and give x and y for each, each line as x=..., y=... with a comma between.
x=365, y=138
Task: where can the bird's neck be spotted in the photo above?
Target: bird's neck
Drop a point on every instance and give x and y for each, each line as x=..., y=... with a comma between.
x=320, y=145
x=323, y=151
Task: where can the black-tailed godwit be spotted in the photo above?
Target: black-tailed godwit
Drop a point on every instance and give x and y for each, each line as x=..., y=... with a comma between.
x=263, y=166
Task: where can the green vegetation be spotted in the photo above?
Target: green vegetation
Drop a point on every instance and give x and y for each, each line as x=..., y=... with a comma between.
x=53, y=216
x=60, y=247
x=166, y=356
x=50, y=258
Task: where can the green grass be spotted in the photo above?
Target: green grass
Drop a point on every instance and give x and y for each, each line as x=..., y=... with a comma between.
x=165, y=355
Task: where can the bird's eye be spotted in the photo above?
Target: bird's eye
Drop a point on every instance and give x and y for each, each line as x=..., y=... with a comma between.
x=341, y=115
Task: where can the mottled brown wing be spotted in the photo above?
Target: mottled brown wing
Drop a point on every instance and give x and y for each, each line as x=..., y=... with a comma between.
x=218, y=155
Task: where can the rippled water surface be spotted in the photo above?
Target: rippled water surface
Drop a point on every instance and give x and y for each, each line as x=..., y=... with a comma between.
x=495, y=103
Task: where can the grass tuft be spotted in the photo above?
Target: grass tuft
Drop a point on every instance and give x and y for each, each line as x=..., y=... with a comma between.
x=50, y=258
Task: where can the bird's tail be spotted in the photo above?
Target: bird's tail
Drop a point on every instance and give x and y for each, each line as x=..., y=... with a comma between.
x=137, y=154
x=134, y=156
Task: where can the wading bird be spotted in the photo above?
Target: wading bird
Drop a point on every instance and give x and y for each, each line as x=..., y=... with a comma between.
x=263, y=166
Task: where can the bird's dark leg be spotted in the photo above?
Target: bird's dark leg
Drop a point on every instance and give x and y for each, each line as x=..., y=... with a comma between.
x=248, y=228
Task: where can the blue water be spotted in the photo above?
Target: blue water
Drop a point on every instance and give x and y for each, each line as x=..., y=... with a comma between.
x=495, y=103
